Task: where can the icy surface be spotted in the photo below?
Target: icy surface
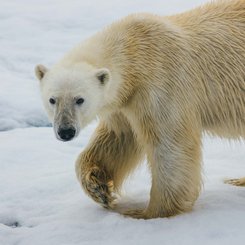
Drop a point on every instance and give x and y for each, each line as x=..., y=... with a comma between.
x=41, y=201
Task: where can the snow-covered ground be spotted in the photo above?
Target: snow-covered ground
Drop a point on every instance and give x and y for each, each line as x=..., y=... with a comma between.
x=41, y=196
x=41, y=201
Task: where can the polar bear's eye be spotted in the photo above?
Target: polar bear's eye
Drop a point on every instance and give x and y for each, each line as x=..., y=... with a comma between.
x=52, y=101
x=79, y=101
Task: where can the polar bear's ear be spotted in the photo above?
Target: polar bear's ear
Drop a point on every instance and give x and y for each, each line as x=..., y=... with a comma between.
x=40, y=71
x=103, y=75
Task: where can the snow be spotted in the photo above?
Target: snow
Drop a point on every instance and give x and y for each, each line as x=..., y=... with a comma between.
x=41, y=201
x=41, y=196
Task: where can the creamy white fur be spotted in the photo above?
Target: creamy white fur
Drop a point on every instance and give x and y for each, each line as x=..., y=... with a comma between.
x=168, y=80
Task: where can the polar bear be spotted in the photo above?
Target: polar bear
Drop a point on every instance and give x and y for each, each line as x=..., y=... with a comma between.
x=155, y=83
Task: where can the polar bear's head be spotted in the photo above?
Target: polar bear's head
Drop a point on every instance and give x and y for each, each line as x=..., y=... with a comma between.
x=73, y=96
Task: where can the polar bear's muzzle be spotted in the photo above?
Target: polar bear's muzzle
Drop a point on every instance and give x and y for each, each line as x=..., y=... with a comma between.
x=66, y=133
x=65, y=125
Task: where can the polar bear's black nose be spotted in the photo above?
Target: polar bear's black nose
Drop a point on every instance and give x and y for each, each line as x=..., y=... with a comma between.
x=66, y=133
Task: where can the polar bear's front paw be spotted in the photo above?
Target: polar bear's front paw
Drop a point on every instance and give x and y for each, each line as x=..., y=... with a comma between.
x=135, y=213
x=142, y=214
x=96, y=185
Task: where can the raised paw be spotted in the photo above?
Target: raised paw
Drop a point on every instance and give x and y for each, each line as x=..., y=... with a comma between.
x=236, y=182
x=98, y=187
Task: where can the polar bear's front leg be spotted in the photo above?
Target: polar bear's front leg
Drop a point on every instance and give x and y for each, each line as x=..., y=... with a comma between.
x=108, y=159
x=95, y=180
x=97, y=184
x=176, y=175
